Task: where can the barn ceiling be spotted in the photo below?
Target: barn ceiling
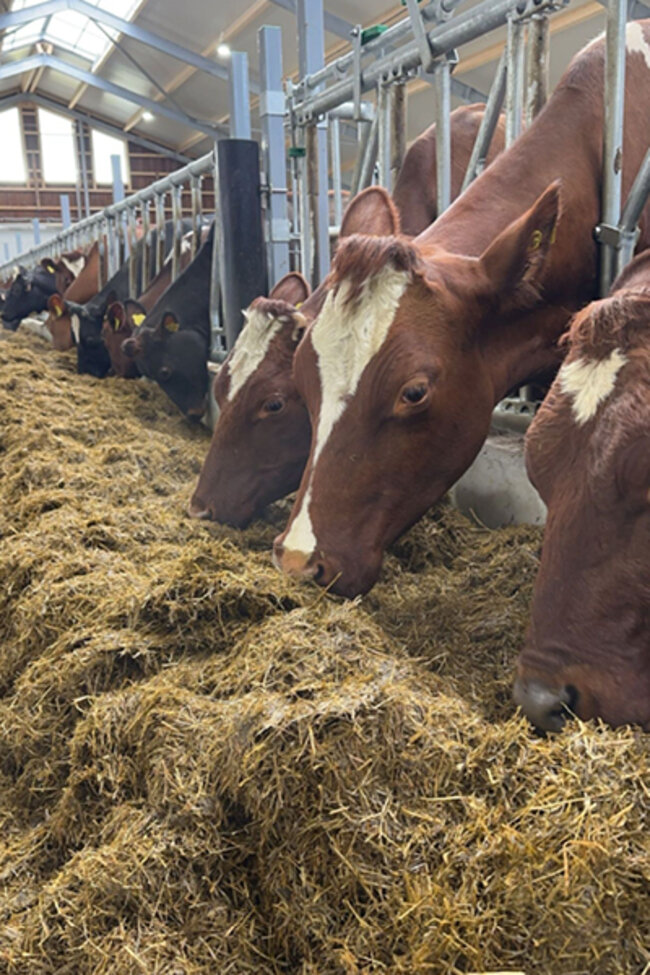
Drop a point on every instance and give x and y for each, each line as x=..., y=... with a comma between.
x=151, y=68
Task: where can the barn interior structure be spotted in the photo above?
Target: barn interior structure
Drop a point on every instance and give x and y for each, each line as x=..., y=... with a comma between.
x=325, y=482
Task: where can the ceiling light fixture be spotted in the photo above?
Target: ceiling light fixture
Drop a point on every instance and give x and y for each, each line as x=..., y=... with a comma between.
x=223, y=50
x=147, y=116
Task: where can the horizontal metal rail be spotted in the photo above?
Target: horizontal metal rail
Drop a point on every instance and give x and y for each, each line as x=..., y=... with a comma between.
x=91, y=228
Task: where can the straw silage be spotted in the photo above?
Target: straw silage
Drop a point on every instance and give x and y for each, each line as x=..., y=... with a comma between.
x=207, y=768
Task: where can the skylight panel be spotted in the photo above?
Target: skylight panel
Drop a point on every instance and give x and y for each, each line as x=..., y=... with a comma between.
x=12, y=157
x=71, y=30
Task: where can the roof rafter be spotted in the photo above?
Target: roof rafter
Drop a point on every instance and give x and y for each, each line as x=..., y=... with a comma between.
x=23, y=98
x=12, y=69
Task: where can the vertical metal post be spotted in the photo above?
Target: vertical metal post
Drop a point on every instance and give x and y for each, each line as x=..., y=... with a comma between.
x=384, y=131
x=104, y=254
x=112, y=247
x=537, y=62
x=515, y=46
x=177, y=218
x=84, y=166
x=272, y=104
x=7, y=252
x=146, y=243
x=442, y=90
x=19, y=242
x=613, y=133
x=240, y=113
x=195, y=196
x=335, y=162
x=637, y=198
x=489, y=122
x=398, y=133
x=160, y=231
x=118, y=182
x=311, y=52
x=36, y=224
x=64, y=200
x=366, y=147
x=218, y=347
x=135, y=287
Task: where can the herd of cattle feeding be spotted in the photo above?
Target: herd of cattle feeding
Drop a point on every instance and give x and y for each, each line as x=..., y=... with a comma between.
x=373, y=394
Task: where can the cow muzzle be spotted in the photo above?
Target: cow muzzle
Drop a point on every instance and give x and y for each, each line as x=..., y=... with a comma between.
x=546, y=707
x=304, y=565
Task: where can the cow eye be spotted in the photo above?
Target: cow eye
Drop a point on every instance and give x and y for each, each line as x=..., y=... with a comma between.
x=164, y=373
x=274, y=405
x=415, y=394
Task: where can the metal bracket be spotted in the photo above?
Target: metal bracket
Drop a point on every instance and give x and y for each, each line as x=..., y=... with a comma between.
x=356, y=71
x=615, y=237
x=420, y=34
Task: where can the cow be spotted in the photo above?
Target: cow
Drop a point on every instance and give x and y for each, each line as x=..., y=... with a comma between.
x=587, y=650
x=172, y=344
x=122, y=318
x=87, y=319
x=30, y=290
x=81, y=290
x=418, y=340
x=251, y=463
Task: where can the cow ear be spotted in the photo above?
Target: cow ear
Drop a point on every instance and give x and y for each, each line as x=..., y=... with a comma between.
x=115, y=315
x=135, y=312
x=169, y=322
x=371, y=212
x=48, y=264
x=515, y=261
x=292, y=288
x=56, y=305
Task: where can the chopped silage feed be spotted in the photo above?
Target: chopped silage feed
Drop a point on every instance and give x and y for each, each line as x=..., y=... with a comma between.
x=208, y=768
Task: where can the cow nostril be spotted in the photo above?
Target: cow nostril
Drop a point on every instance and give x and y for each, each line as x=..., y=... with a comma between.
x=547, y=708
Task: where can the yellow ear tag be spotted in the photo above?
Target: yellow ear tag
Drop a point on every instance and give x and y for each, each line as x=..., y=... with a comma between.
x=299, y=305
x=536, y=240
x=138, y=319
x=553, y=234
x=171, y=326
x=116, y=324
x=58, y=311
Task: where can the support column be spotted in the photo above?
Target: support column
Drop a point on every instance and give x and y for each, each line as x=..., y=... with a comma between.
x=64, y=201
x=537, y=62
x=272, y=104
x=442, y=89
x=36, y=224
x=240, y=112
x=311, y=47
x=613, y=133
x=398, y=133
x=515, y=47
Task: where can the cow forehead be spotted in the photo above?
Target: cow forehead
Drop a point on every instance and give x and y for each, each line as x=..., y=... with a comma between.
x=589, y=382
x=251, y=347
x=346, y=336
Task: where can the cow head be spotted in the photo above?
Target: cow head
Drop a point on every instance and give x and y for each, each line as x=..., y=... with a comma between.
x=587, y=650
x=176, y=358
x=86, y=326
x=120, y=320
x=27, y=293
x=400, y=382
x=261, y=439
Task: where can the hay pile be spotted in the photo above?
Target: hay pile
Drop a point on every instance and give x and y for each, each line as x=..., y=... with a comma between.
x=205, y=768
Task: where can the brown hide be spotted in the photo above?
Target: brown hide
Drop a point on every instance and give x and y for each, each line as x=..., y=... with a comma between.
x=588, y=646
x=82, y=289
x=415, y=188
x=489, y=288
x=246, y=468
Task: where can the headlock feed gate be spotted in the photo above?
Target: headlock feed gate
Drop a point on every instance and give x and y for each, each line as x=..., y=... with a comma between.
x=282, y=215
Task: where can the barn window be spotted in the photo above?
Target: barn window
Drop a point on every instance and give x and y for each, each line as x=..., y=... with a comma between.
x=12, y=157
x=58, y=156
x=105, y=146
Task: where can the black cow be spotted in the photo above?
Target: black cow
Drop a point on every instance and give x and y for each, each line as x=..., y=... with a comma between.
x=172, y=344
x=92, y=354
x=28, y=293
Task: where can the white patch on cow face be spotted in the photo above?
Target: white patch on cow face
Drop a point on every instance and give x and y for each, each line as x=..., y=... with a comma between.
x=250, y=348
x=75, y=325
x=590, y=382
x=75, y=267
x=345, y=337
x=635, y=41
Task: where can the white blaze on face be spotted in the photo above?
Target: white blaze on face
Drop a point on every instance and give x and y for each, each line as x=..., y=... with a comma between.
x=635, y=41
x=345, y=337
x=76, y=327
x=251, y=347
x=590, y=382
x=75, y=267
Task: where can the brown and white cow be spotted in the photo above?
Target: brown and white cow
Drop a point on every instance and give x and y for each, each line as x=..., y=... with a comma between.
x=257, y=455
x=417, y=341
x=80, y=290
x=588, y=454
